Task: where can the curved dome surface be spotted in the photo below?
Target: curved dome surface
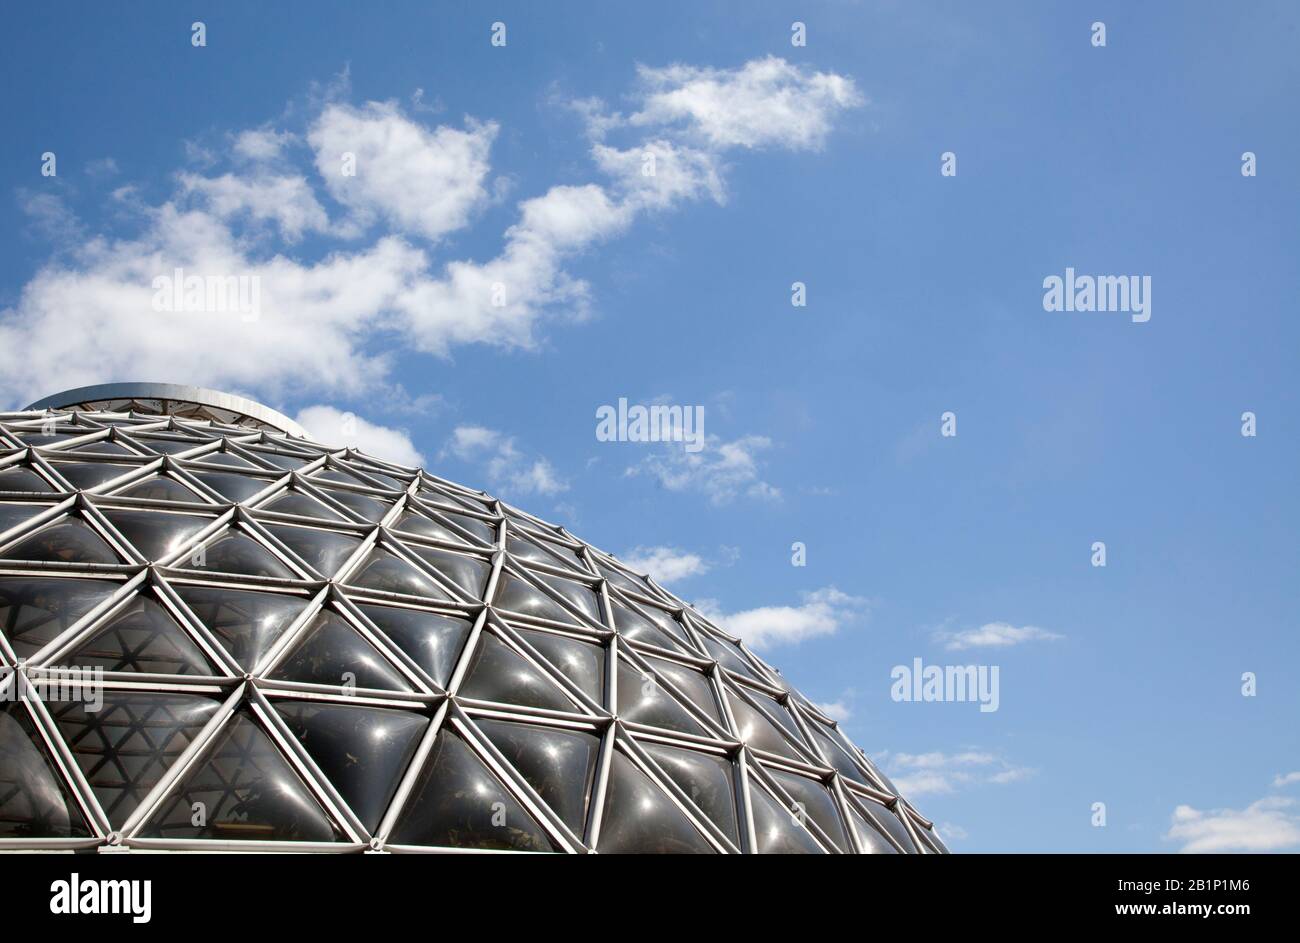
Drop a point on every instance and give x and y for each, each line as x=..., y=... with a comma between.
x=221, y=637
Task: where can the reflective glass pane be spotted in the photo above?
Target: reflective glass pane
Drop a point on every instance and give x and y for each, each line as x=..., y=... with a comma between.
x=777, y=829
x=632, y=625
x=469, y=573
x=156, y=534
x=68, y=541
x=20, y=478
x=246, y=623
x=485, y=532
x=325, y=551
x=433, y=641
x=578, y=595
x=690, y=682
x=34, y=801
x=457, y=801
x=498, y=673
x=143, y=637
x=11, y=515
x=334, y=653
x=873, y=843
x=35, y=611
x=234, y=488
x=728, y=656
x=707, y=781
x=816, y=801
x=639, y=818
x=159, y=488
x=234, y=552
x=90, y=474
x=363, y=751
x=168, y=446
x=248, y=792
x=559, y=764
x=388, y=573
x=753, y=728
x=518, y=596
x=889, y=821
x=127, y=745
x=583, y=663
x=303, y=505
x=643, y=699
x=366, y=507
x=416, y=523
x=228, y=459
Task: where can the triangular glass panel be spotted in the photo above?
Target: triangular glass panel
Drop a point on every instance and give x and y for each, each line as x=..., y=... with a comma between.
x=813, y=799
x=416, y=523
x=432, y=641
x=689, y=682
x=485, y=532
x=232, y=487
x=159, y=488
x=34, y=610
x=640, y=818
x=499, y=673
x=22, y=478
x=303, y=505
x=168, y=446
x=143, y=637
x=642, y=699
x=90, y=474
x=583, y=663
x=889, y=822
x=631, y=625
x=778, y=830
x=280, y=459
x=869, y=837
x=235, y=552
x=248, y=792
x=385, y=481
x=579, y=595
x=34, y=800
x=105, y=447
x=246, y=623
x=70, y=540
x=11, y=515
x=333, y=652
x=126, y=746
x=559, y=764
x=155, y=534
x=469, y=573
x=728, y=656
x=754, y=729
x=367, y=508
x=623, y=581
x=386, y=572
x=706, y=779
x=363, y=751
x=229, y=459
x=457, y=801
x=517, y=595
x=836, y=757
x=323, y=550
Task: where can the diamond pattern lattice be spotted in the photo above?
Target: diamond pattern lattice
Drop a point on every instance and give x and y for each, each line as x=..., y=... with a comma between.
x=308, y=648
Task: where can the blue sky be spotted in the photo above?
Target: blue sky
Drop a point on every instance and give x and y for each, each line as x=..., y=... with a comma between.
x=776, y=164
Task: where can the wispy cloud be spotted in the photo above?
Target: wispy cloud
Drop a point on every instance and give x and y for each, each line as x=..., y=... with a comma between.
x=1270, y=824
x=507, y=468
x=994, y=635
x=1285, y=779
x=919, y=774
x=665, y=564
x=721, y=470
x=823, y=612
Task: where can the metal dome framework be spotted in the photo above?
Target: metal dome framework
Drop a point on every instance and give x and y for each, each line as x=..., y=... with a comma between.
x=309, y=649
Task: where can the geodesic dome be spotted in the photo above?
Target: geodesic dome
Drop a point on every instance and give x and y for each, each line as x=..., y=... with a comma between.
x=218, y=635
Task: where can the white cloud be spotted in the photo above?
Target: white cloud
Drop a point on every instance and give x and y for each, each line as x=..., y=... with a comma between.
x=823, y=612
x=334, y=427
x=721, y=470
x=994, y=635
x=949, y=830
x=765, y=102
x=1270, y=824
x=287, y=201
x=418, y=181
x=1287, y=779
x=920, y=774
x=665, y=564
x=507, y=469
x=261, y=144
x=838, y=711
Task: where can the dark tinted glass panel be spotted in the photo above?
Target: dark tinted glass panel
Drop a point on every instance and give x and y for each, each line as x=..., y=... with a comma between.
x=816, y=802
x=559, y=764
x=623, y=581
x=159, y=489
x=104, y=447
x=776, y=712
x=334, y=653
x=303, y=505
x=833, y=755
x=517, y=596
x=323, y=550
x=337, y=474
x=69, y=541
x=23, y=479
x=432, y=641
x=11, y=515
x=287, y=462
x=643, y=699
x=168, y=446
x=578, y=595
x=632, y=625
x=34, y=802
x=469, y=573
x=482, y=530
x=143, y=637
x=872, y=842
x=225, y=458
x=458, y=802
x=127, y=745
x=728, y=656
x=777, y=829
x=665, y=621
x=531, y=552
x=246, y=623
x=35, y=611
x=498, y=673
x=390, y=574
x=756, y=730
x=238, y=553
x=889, y=822
x=90, y=474
x=367, y=508
x=156, y=534
x=639, y=817
x=691, y=683
x=424, y=526
x=706, y=780
x=248, y=791
x=363, y=751
x=581, y=662
x=233, y=487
